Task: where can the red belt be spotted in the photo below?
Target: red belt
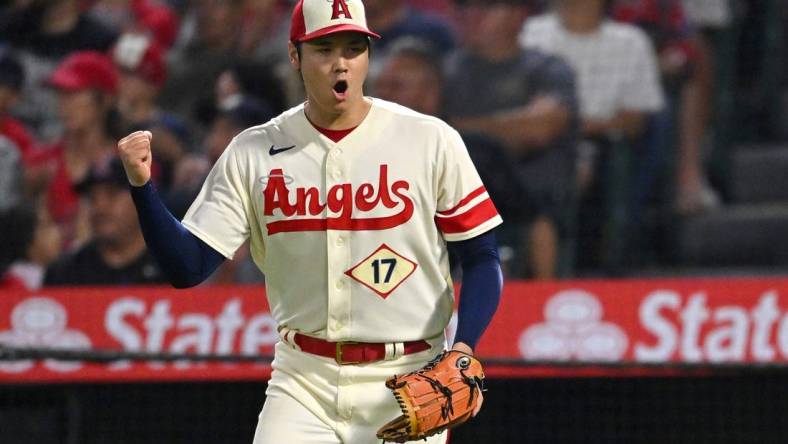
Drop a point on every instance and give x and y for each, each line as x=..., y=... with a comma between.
x=350, y=352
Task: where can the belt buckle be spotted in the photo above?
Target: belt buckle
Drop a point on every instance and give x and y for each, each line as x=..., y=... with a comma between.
x=339, y=358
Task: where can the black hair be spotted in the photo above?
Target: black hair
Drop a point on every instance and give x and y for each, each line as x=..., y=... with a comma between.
x=369, y=47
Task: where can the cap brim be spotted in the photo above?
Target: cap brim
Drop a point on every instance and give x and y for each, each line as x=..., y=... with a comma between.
x=66, y=81
x=346, y=27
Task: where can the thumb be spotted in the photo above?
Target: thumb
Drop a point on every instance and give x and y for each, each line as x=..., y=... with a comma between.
x=149, y=135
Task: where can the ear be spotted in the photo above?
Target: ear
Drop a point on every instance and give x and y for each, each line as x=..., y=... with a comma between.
x=292, y=53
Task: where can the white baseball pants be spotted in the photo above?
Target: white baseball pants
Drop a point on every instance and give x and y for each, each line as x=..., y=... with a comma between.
x=312, y=400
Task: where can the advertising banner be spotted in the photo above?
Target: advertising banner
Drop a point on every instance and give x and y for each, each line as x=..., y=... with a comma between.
x=559, y=324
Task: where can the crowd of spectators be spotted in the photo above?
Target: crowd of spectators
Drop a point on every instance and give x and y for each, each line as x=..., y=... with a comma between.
x=539, y=90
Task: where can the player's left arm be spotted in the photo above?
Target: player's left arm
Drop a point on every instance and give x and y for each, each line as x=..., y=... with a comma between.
x=482, y=282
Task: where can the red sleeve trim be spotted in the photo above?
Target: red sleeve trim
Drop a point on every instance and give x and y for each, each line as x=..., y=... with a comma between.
x=468, y=220
x=472, y=195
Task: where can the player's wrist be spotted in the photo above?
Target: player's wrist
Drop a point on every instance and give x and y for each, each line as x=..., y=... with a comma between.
x=462, y=347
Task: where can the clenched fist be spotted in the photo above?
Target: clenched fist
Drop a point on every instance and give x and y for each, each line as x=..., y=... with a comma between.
x=135, y=153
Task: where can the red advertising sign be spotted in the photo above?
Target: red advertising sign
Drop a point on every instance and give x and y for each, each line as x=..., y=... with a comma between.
x=642, y=321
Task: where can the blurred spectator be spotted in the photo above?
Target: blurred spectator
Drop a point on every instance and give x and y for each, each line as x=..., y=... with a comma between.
x=252, y=79
x=393, y=19
x=615, y=64
x=116, y=253
x=713, y=19
x=31, y=240
x=195, y=66
x=46, y=31
x=260, y=29
x=412, y=75
x=86, y=84
x=709, y=14
x=142, y=72
x=16, y=144
x=619, y=92
x=235, y=114
x=17, y=225
x=685, y=66
x=155, y=19
x=437, y=6
x=114, y=14
x=526, y=100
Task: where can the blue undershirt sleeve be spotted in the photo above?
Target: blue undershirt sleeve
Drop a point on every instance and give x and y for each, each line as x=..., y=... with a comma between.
x=482, y=281
x=183, y=257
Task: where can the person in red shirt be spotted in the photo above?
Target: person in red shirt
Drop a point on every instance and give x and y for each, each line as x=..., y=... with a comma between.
x=86, y=86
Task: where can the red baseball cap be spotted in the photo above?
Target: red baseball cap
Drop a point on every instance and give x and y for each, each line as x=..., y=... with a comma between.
x=159, y=20
x=141, y=55
x=83, y=70
x=318, y=18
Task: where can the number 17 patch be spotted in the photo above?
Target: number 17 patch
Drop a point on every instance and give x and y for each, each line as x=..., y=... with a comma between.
x=383, y=271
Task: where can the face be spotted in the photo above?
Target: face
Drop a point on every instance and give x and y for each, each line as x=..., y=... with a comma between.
x=79, y=110
x=227, y=85
x=491, y=21
x=112, y=213
x=408, y=81
x=334, y=69
x=133, y=89
x=217, y=20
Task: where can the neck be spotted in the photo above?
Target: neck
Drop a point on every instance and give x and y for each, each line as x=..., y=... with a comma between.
x=581, y=17
x=59, y=18
x=338, y=120
x=118, y=253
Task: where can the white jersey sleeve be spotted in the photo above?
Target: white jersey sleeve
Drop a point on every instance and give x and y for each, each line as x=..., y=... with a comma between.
x=220, y=215
x=464, y=209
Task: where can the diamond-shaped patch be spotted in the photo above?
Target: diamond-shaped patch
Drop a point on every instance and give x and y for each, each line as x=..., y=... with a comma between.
x=383, y=271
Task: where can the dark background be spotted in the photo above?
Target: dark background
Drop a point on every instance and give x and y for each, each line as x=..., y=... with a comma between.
x=746, y=407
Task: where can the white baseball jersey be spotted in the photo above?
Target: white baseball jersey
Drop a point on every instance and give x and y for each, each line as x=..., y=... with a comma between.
x=350, y=235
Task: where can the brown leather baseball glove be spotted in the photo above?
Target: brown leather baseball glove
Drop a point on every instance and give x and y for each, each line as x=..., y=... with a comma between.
x=442, y=394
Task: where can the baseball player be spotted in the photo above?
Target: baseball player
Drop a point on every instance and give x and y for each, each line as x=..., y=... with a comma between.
x=351, y=205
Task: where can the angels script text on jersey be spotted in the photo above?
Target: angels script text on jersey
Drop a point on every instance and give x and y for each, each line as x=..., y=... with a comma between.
x=341, y=200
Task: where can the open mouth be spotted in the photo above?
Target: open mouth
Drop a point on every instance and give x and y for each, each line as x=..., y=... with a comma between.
x=340, y=87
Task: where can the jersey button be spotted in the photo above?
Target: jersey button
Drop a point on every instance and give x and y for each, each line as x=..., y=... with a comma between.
x=336, y=174
x=340, y=241
x=340, y=285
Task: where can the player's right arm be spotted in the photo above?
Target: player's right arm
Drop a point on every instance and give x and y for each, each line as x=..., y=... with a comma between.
x=184, y=258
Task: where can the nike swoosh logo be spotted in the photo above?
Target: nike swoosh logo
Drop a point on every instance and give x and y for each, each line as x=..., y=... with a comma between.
x=274, y=150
